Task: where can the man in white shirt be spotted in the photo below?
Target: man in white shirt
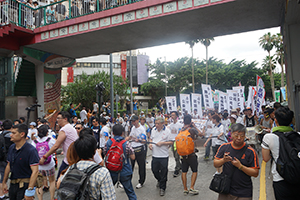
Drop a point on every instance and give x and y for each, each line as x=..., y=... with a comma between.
x=95, y=107
x=138, y=138
x=208, y=130
x=150, y=120
x=175, y=127
x=160, y=155
x=83, y=114
x=195, y=115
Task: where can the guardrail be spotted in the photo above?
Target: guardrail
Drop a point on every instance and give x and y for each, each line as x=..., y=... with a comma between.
x=30, y=15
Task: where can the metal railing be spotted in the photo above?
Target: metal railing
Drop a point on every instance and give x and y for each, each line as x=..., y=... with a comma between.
x=31, y=15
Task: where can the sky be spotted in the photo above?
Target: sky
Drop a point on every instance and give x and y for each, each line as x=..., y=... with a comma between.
x=242, y=46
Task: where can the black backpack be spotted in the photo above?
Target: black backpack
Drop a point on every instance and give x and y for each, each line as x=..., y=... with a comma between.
x=74, y=185
x=288, y=162
x=4, y=146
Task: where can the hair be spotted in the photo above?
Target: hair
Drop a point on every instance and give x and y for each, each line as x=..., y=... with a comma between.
x=225, y=115
x=64, y=115
x=86, y=131
x=176, y=113
x=42, y=131
x=284, y=116
x=72, y=156
x=102, y=120
x=94, y=112
x=187, y=119
x=22, y=118
x=160, y=119
x=142, y=118
x=22, y=128
x=16, y=120
x=238, y=127
x=277, y=105
x=43, y=121
x=212, y=113
x=118, y=129
x=85, y=146
x=7, y=124
x=74, y=117
x=263, y=106
x=217, y=118
x=71, y=104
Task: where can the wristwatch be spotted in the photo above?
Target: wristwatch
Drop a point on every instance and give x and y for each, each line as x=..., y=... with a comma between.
x=30, y=188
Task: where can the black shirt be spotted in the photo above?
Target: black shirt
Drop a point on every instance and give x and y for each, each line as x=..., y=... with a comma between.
x=241, y=183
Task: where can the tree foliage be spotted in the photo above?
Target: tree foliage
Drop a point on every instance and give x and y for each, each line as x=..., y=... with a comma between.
x=82, y=90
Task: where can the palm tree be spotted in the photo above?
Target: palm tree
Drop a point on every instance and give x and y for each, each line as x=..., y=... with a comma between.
x=192, y=44
x=280, y=55
x=267, y=43
x=206, y=42
x=267, y=61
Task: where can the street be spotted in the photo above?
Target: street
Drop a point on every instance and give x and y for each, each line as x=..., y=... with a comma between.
x=262, y=189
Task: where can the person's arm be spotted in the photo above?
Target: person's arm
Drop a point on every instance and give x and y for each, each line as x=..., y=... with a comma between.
x=150, y=145
x=5, y=178
x=209, y=138
x=164, y=143
x=220, y=162
x=77, y=106
x=266, y=154
x=247, y=170
x=34, y=175
x=60, y=139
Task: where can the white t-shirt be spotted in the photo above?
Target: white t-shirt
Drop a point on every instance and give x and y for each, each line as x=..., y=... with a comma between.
x=174, y=129
x=103, y=133
x=150, y=121
x=271, y=142
x=208, y=128
x=216, y=131
x=30, y=131
x=135, y=133
x=226, y=123
x=195, y=116
x=83, y=114
x=157, y=136
x=240, y=120
x=50, y=143
x=95, y=107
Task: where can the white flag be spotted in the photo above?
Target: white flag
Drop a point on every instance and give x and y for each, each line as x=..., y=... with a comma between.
x=207, y=96
x=240, y=97
x=223, y=98
x=197, y=103
x=185, y=103
x=171, y=104
x=232, y=98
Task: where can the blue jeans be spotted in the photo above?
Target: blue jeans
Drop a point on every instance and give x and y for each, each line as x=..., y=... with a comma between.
x=126, y=182
x=207, y=149
x=61, y=168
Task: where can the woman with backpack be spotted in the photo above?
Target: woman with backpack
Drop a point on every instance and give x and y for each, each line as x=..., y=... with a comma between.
x=42, y=144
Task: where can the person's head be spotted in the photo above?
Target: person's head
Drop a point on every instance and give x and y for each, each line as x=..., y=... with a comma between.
x=84, y=131
x=234, y=111
x=225, y=111
x=96, y=121
x=118, y=130
x=238, y=110
x=32, y=125
x=263, y=108
x=83, y=107
x=85, y=146
x=22, y=120
x=268, y=113
x=43, y=121
x=158, y=112
x=283, y=116
x=174, y=115
x=210, y=114
x=16, y=122
x=104, y=113
x=143, y=120
x=63, y=118
x=71, y=105
x=102, y=121
x=276, y=105
x=72, y=156
x=7, y=124
x=42, y=131
x=249, y=111
x=89, y=110
x=135, y=120
x=94, y=113
x=94, y=102
x=74, y=119
x=233, y=119
x=35, y=3
x=216, y=119
x=78, y=127
x=238, y=132
x=225, y=115
x=19, y=132
x=159, y=123
x=195, y=111
x=187, y=120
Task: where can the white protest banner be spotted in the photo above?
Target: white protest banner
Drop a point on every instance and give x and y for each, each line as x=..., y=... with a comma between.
x=240, y=96
x=260, y=94
x=197, y=103
x=185, y=103
x=232, y=97
x=223, y=98
x=250, y=100
x=207, y=96
x=171, y=103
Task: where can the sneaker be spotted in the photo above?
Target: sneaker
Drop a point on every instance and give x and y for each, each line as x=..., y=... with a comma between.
x=4, y=198
x=157, y=184
x=46, y=189
x=139, y=186
x=185, y=192
x=120, y=186
x=162, y=192
x=193, y=192
x=206, y=158
x=176, y=174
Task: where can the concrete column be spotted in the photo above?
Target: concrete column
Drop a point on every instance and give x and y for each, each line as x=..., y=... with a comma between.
x=39, y=77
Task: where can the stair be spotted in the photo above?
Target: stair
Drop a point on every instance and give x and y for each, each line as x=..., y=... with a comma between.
x=6, y=29
x=25, y=84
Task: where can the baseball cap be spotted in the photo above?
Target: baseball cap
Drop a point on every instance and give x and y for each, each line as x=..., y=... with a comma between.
x=32, y=124
x=104, y=113
x=134, y=118
x=233, y=110
x=233, y=116
x=269, y=111
x=142, y=112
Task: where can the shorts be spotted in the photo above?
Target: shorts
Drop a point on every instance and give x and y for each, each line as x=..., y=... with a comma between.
x=50, y=172
x=2, y=169
x=231, y=197
x=189, y=161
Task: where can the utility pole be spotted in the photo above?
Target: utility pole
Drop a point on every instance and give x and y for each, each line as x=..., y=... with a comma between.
x=130, y=71
x=166, y=75
x=111, y=87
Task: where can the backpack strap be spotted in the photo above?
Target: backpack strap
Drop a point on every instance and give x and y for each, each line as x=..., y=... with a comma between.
x=48, y=139
x=35, y=141
x=89, y=171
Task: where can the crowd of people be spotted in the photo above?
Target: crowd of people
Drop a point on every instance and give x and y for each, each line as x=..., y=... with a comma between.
x=91, y=139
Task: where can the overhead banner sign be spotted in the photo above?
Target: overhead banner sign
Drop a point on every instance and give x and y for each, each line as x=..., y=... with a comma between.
x=232, y=97
x=185, y=103
x=240, y=96
x=207, y=96
x=260, y=94
x=197, y=103
x=223, y=98
x=171, y=104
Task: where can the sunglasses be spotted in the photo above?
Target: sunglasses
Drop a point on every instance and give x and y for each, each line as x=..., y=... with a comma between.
x=77, y=128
